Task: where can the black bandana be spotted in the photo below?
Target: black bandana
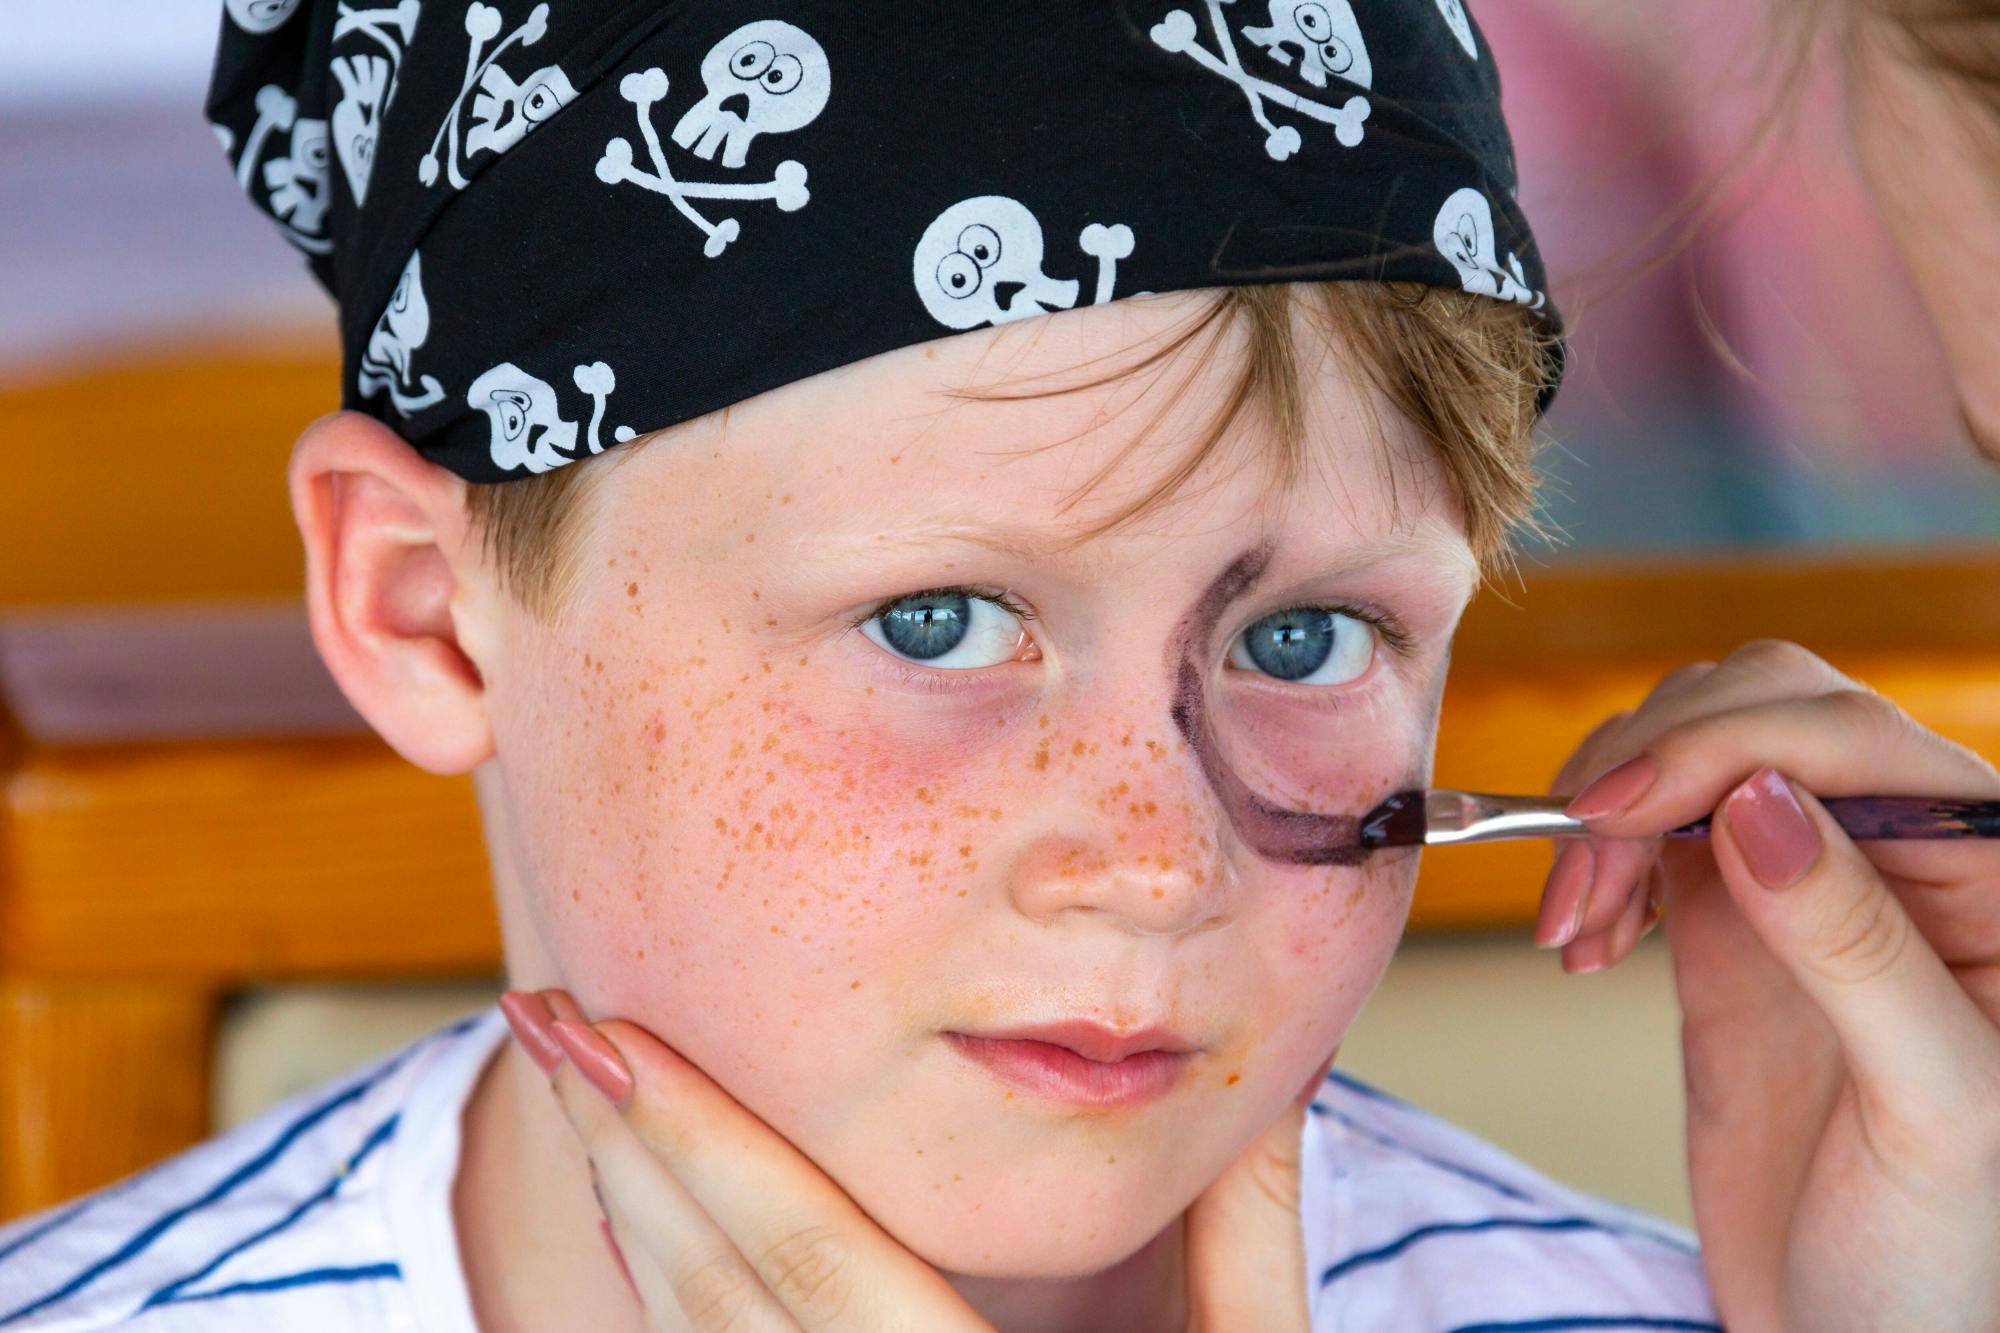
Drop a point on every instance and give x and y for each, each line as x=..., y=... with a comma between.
x=552, y=227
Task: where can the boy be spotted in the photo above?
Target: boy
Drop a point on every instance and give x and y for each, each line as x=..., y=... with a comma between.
x=947, y=832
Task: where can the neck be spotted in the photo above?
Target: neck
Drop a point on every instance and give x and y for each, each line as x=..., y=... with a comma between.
x=534, y=1259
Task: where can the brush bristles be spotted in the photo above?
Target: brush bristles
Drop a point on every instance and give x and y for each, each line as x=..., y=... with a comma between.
x=1400, y=821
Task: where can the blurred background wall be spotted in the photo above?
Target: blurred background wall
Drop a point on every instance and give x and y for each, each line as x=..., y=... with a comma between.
x=1770, y=385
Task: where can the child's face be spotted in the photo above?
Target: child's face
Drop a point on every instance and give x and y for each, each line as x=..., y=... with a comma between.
x=803, y=853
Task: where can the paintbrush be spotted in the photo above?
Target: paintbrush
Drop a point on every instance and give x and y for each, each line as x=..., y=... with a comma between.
x=1439, y=817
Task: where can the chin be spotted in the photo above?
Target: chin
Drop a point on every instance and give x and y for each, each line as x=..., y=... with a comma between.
x=1031, y=1228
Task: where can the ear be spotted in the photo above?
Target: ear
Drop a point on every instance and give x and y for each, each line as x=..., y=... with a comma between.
x=401, y=607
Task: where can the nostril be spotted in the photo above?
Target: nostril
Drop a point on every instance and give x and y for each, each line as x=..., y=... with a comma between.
x=736, y=103
x=1003, y=293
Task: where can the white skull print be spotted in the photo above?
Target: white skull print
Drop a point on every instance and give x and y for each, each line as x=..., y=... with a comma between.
x=260, y=15
x=1460, y=25
x=297, y=182
x=505, y=109
x=780, y=76
x=980, y=262
x=526, y=427
x=775, y=73
x=1464, y=235
x=1326, y=44
x=401, y=330
x=367, y=85
x=1326, y=35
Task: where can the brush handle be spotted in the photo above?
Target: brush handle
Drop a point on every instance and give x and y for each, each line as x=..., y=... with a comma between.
x=1868, y=818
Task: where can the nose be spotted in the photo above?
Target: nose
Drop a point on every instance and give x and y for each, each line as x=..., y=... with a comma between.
x=1003, y=294
x=1131, y=843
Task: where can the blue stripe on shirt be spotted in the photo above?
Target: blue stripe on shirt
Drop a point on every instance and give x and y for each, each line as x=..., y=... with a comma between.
x=172, y=1291
x=1334, y=1272
x=1575, y=1321
x=248, y=1171
x=312, y=1277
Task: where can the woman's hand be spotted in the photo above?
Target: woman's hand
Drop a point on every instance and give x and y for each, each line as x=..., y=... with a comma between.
x=723, y=1224
x=1840, y=1006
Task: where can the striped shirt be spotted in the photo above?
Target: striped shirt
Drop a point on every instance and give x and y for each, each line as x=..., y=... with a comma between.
x=331, y=1212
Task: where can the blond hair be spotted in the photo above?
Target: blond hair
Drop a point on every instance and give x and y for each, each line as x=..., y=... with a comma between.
x=1466, y=370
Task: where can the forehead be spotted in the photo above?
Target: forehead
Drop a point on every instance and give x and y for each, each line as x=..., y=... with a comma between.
x=891, y=445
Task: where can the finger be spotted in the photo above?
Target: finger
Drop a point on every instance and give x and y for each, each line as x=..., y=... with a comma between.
x=830, y=1266
x=1565, y=894
x=685, y=1272
x=1847, y=742
x=1915, y=1043
x=1246, y=1261
x=1619, y=866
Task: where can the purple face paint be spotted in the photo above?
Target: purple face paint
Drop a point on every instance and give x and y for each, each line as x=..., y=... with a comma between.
x=1294, y=837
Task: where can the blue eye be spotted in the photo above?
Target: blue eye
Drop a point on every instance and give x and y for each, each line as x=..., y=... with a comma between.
x=1308, y=645
x=932, y=627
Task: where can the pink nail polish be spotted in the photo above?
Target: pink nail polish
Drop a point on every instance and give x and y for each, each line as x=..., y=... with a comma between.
x=1615, y=790
x=1777, y=837
x=597, y=1059
x=529, y=1015
x=1563, y=898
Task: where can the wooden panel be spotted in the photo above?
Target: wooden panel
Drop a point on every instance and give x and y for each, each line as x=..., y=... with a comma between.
x=161, y=477
x=243, y=860
x=96, y=1081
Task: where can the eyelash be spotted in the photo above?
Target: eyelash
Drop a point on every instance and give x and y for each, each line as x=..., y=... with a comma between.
x=1385, y=624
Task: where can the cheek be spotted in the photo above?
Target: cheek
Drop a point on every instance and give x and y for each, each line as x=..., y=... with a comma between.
x=758, y=881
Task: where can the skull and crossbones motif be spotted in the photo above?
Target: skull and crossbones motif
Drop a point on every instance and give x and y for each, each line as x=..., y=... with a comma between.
x=525, y=421
x=980, y=262
x=295, y=184
x=401, y=330
x=505, y=108
x=1464, y=235
x=766, y=77
x=1460, y=25
x=367, y=84
x=1328, y=38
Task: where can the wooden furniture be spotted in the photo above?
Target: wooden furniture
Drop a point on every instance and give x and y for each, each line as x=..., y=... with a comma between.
x=187, y=805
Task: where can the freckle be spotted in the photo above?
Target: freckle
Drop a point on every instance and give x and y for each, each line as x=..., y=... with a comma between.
x=1159, y=893
x=1041, y=760
x=786, y=500
x=756, y=596
x=1111, y=1160
x=895, y=458
x=631, y=590
x=575, y=897
x=1232, y=1080
x=1151, y=808
x=924, y=794
x=749, y=536
x=1077, y=748
x=1126, y=739
x=966, y=850
x=854, y=985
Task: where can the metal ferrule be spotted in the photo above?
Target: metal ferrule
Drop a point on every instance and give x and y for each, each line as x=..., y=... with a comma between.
x=1468, y=816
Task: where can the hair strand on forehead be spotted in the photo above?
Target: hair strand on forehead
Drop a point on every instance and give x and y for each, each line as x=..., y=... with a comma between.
x=1465, y=369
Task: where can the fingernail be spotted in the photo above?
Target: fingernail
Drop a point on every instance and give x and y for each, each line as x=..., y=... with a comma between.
x=1565, y=894
x=1615, y=790
x=597, y=1058
x=1776, y=835
x=604, y=1226
x=529, y=1015
x=1590, y=955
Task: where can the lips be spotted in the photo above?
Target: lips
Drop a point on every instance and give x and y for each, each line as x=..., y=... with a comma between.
x=1094, y=1041
x=1082, y=1063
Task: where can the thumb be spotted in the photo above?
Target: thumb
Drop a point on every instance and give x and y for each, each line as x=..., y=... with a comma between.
x=1908, y=1029
x=1246, y=1256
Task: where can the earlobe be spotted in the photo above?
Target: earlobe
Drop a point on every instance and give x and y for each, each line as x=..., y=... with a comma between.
x=387, y=564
